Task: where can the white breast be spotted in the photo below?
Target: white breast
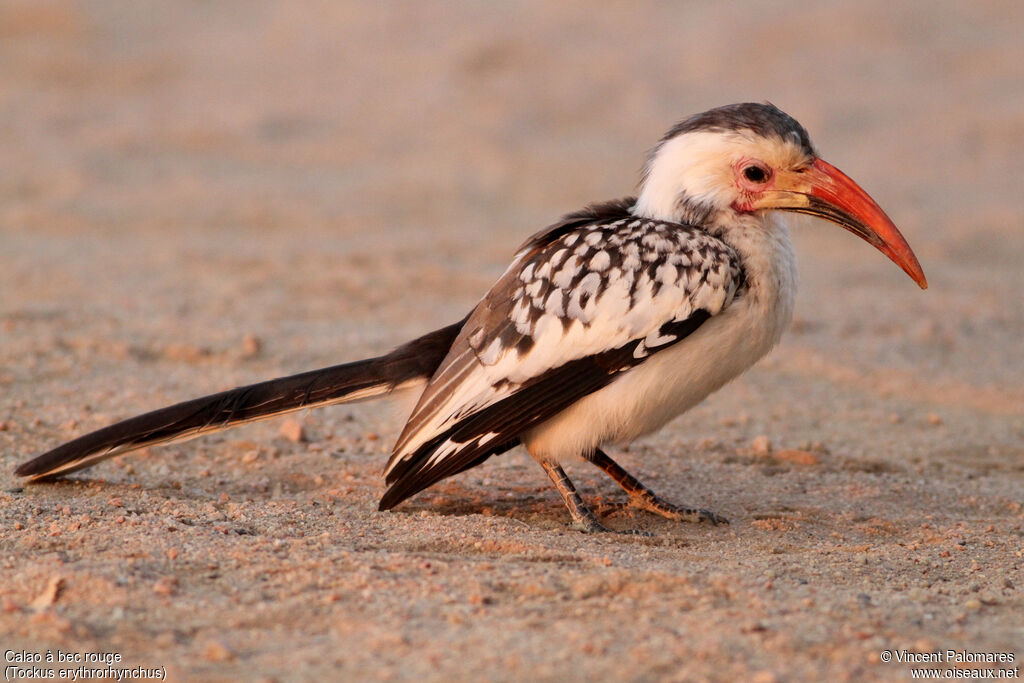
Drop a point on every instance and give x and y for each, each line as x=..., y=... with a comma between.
x=672, y=381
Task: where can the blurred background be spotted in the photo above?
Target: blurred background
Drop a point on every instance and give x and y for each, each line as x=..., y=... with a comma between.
x=195, y=195
x=182, y=149
x=319, y=161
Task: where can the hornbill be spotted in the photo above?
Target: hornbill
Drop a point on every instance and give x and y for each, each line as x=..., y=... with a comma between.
x=606, y=325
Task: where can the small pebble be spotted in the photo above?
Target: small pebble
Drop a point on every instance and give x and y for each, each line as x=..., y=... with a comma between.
x=51, y=593
x=168, y=585
x=797, y=457
x=216, y=651
x=293, y=431
x=761, y=445
x=251, y=345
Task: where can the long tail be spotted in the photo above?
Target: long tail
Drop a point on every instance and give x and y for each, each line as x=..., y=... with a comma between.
x=411, y=362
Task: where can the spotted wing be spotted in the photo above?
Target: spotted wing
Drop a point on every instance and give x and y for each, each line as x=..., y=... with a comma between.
x=582, y=302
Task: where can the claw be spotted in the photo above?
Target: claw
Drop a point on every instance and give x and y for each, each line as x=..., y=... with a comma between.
x=649, y=501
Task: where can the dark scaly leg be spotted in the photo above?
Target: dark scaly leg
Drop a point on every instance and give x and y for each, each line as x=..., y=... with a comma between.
x=643, y=497
x=582, y=516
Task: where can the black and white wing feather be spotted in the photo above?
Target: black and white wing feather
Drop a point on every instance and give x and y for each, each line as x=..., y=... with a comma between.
x=582, y=302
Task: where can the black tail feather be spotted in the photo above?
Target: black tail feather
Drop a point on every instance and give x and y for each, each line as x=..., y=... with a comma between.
x=414, y=361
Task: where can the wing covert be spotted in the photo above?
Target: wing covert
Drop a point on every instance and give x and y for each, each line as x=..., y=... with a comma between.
x=583, y=301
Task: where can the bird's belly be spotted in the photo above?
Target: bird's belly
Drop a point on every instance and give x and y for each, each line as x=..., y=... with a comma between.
x=669, y=383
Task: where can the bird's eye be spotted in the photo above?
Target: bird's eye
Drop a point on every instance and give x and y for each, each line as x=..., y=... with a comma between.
x=755, y=174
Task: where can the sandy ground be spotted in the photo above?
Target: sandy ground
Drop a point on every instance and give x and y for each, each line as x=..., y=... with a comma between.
x=195, y=196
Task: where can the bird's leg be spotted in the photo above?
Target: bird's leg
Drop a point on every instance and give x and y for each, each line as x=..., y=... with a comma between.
x=643, y=497
x=582, y=516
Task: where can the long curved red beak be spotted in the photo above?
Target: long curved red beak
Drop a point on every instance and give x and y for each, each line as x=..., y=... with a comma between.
x=835, y=197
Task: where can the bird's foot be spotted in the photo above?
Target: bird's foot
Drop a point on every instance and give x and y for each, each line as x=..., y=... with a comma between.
x=595, y=527
x=590, y=525
x=587, y=522
x=647, y=500
x=583, y=518
x=642, y=497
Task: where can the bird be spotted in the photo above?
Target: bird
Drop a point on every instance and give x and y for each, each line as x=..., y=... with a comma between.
x=606, y=325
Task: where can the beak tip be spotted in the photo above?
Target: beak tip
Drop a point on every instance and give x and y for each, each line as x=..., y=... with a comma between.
x=915, y=271
x=917, y=275
x=845, y=199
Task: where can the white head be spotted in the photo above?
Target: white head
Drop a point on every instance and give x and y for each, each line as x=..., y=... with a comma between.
x=716, y=167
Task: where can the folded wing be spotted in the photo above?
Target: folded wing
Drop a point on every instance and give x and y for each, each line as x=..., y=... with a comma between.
x=583, y=301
